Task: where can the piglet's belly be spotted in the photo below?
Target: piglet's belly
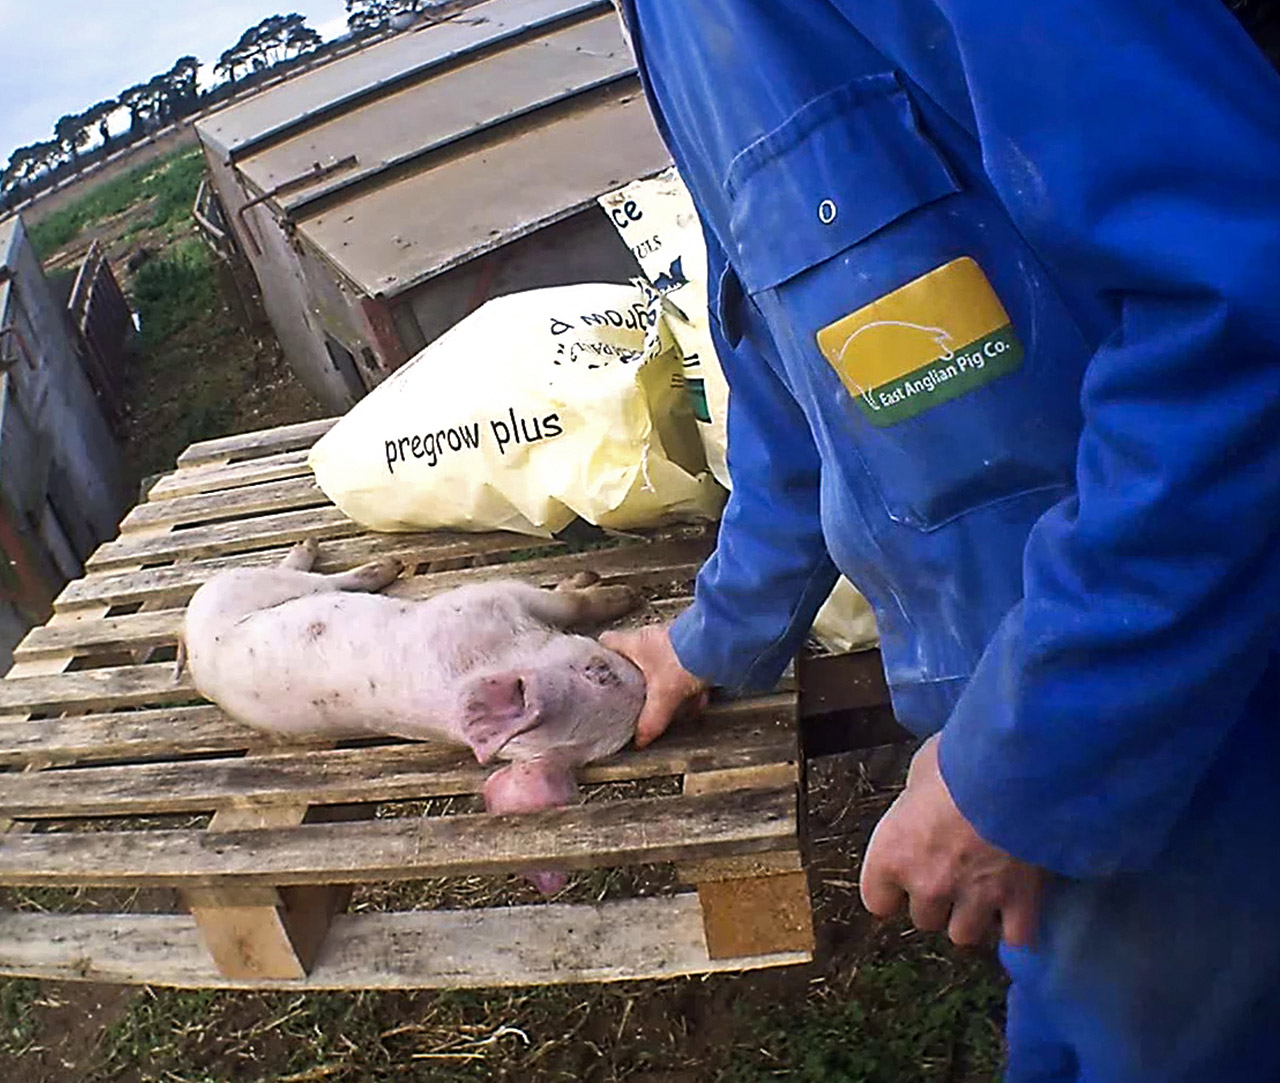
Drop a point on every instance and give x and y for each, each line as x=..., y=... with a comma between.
x=337, y=684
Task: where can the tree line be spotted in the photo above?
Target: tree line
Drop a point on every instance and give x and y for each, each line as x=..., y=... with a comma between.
x=162, y=99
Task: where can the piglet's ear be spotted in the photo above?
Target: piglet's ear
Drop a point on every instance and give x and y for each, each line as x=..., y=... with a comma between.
x=494, y=709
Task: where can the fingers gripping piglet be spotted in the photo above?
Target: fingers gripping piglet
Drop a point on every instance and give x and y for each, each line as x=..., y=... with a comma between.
x=491, y=666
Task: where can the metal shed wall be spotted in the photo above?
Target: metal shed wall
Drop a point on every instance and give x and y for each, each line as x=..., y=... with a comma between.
x=61, y=477
x=444, y=166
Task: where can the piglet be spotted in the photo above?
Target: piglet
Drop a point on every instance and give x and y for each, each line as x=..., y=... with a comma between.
x=490, y=666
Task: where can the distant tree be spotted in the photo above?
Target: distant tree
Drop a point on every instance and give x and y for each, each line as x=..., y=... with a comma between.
x=364, y=16
x=24, y=165
x=229, y=63
x=71, y=133
x=138, y=99
x=276, y=38
x=157, y=106
x=100, y=116
x=28, y=164
x=183, y=91
x=299, y=38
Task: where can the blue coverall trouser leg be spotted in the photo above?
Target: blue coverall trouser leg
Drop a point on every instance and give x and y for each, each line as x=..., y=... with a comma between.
x=1171, y=975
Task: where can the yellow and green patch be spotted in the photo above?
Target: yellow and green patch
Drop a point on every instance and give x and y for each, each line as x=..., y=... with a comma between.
x=924, y=344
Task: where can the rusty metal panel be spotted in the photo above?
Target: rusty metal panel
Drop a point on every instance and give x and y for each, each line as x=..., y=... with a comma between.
x=99, y=312
x=287, y=106
x=390, y=238
x=427, y=116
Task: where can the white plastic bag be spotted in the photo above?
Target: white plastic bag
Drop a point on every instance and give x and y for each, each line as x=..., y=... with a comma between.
x=659, y=223
x=657, y=219
x=536, y=408
x=845, y=622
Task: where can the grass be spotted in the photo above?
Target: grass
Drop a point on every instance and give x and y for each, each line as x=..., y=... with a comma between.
x=18, y=1020
x=910, y=1013
x=171, y=183
x=175, y=290
x=927, y=1017
x=179, y=371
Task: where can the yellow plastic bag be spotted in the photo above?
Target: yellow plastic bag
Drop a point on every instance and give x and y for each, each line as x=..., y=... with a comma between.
x=659, y=223
x=538, y=407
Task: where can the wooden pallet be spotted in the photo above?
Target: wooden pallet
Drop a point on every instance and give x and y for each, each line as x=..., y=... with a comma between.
x=94, y=725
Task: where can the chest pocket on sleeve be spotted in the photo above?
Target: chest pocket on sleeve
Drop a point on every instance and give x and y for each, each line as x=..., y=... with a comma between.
x=915, y=324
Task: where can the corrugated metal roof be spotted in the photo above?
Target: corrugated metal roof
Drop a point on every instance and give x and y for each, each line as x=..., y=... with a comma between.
x=485, y=193
x=411, y=55
x=527, y=111
x=427, y=117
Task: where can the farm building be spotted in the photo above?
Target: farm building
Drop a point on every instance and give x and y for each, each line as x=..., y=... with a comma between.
x=383, y=196
x=61, y=487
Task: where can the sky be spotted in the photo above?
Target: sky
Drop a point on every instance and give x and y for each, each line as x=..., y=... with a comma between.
x=62, y=56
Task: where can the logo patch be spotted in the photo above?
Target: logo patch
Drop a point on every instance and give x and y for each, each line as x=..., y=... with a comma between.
x=924, y=344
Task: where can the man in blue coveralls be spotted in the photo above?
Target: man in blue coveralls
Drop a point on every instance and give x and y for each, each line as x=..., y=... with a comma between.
x=996, y=286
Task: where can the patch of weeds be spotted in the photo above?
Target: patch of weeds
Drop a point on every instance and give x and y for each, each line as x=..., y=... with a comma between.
x=920, y=1016
x=171, y=182
x=155, y=1029
x=174, y=290
x=174, y=188
x=210, y=1036
x=18, y=1019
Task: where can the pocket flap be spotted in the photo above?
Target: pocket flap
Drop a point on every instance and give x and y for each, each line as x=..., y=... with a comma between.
x=841, y=167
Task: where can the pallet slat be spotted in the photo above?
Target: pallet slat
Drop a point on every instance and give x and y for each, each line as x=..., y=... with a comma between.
x=177, y=583
x=97, y=689
x=676, y=559
x=273, y=496
x=212, y=478
x=252, y=445
x=220, y=539
x=724, y=740
x=585, y=836
x=173, y=731
x=615, y=941
x=154, y=628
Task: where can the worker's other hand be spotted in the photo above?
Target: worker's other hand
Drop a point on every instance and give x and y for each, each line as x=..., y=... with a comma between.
x=670, y=689
x=924, y=853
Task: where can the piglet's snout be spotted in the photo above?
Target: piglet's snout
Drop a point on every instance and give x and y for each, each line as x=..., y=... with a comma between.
x=529, y=786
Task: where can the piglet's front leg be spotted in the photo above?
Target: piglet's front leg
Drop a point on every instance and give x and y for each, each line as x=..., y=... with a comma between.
x=528, y=786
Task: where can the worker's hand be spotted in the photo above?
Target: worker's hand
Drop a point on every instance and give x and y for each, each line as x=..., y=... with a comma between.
x=670, y=689
x=923, y=852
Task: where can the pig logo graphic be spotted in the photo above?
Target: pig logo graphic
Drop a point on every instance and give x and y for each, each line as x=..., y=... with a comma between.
x=903, y=338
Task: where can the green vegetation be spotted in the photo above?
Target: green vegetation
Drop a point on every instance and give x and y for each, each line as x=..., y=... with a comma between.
x=170, y=183
x=923, y=1018
x=173, y=290
x=18, y=1021
x=181, y=381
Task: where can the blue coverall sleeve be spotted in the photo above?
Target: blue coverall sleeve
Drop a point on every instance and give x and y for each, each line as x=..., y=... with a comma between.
x=1137, y=141
x=757, y=595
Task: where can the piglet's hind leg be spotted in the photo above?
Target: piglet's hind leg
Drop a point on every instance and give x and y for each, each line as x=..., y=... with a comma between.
x=368, y=578
x=302, y=557
x=371, y=577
